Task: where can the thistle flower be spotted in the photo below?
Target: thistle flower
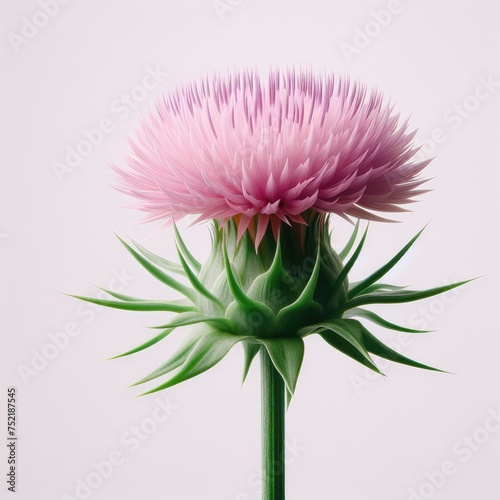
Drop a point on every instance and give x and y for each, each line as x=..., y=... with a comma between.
x=267, y=153
x=270, y=163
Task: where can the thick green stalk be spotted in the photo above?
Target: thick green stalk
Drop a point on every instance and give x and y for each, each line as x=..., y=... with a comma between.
x=273, y=430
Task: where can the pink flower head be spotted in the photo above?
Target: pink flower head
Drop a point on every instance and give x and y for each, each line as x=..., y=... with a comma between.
x=270, y=151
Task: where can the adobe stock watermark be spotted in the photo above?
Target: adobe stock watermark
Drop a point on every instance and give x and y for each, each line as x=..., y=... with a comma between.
x=120, y=108
x=58, y=341
x=421, y=319
x=32, y=25
x=462, y=451
x=292, y=451
x=223, y=7
x=365, y=34
x=130, y=441
x=456, y=115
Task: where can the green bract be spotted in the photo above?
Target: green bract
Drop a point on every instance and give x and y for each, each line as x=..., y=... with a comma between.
x=269, y=299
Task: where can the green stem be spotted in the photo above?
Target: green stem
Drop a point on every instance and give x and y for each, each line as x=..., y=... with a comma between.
x=273, y=430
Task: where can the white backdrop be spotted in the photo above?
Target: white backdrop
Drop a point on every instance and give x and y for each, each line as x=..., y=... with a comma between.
x=72, y=69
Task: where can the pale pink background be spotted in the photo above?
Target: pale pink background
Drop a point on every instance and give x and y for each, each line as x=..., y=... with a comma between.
x=374, y=443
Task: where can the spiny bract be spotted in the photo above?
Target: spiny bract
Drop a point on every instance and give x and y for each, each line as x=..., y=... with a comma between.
x=272, y=299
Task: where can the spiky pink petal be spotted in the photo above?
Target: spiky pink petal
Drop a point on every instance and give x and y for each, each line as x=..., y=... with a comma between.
x=239, y=146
